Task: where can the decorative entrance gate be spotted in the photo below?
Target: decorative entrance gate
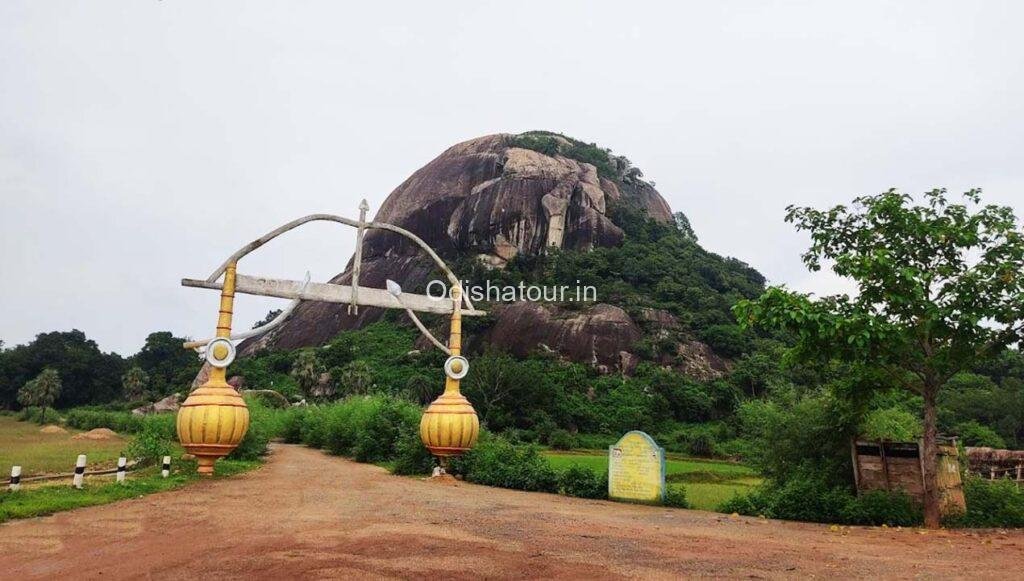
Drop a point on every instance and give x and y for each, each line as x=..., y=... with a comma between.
x=214, y=418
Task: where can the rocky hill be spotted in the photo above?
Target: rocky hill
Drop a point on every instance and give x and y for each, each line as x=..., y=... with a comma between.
x=497, y=202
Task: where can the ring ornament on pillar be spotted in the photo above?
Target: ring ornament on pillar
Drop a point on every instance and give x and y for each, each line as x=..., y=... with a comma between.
x=456, y=367
x=220, y=352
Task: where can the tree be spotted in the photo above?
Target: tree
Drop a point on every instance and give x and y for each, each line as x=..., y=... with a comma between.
x=355, y=378
x=271, y=315
x=493, y=380
x=939, y=289
x=135, y=381
x=421, y=388
x=88, y=375
x=170, y=367
x=41, y=391
x=306, y=372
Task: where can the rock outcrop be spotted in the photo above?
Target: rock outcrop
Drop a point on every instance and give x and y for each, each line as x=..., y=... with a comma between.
x=486, y=197
x=490, y=198
x=602, y=335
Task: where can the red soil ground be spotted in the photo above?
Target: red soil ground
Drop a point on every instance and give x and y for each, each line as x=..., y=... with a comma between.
x=309, y=515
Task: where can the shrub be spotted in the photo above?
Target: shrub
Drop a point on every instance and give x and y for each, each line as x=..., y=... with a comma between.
x=808, y=497
x=262, y=427
x=367, y=428
x=151, y=444
x=749, y=504
x=974, y=434
x=893, y=424
x=560, y=439
x=313, y=431
x=411, y=456
x=879, y=507
x=583, y=482
x=90, y=419
x=991, y=503
x=38, y=415
x=292, y=420
x=496, y=462
x=595, y=441
x=675, y=496
x=701, y=440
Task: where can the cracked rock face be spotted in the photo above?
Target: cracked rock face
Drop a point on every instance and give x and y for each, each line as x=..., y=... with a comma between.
x=483, y=197
x=486, y=198
x=602, y=336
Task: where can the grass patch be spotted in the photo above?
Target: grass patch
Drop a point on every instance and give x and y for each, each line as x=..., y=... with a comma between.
x=22, y=443
x=708, y=483
x=44, y=500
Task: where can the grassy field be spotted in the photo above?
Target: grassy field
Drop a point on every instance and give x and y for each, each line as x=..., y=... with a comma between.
x=43, y=500
x=22, y=443
x=708, y=482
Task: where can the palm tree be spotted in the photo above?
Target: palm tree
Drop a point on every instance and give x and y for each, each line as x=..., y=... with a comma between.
x=41, y=391
x=356, y=378
x=134, y=383
x=306, y=372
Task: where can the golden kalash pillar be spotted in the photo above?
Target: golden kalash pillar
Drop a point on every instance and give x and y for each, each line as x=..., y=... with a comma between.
x=214, y=418
x=450, y=426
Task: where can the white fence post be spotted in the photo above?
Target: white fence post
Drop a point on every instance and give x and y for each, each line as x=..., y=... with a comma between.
x=15, y=478
x=79, y=471
x=167, y=467
x=122, y=466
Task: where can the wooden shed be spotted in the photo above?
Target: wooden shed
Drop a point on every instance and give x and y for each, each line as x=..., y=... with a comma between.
x=993, y=463
x=898, y=466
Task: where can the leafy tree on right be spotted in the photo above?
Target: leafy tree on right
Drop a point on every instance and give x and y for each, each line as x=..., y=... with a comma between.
x=940, y=288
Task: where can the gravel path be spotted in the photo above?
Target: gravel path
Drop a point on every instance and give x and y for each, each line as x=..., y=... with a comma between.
x=306, y=514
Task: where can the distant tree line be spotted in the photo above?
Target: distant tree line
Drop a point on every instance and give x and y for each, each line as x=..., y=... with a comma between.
x=89, y=376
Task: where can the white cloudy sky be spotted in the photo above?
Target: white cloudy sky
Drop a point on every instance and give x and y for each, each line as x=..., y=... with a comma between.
x=142, y=141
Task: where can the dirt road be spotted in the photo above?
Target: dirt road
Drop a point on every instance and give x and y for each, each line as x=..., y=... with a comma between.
x=309, y=515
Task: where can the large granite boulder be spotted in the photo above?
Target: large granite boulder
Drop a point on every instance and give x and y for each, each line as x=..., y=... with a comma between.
x=485, y=197
x=490, y=198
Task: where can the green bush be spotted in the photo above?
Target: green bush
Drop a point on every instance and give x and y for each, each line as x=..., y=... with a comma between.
x=974, y=434
x=292, y=420
x=749, y=504
x=702, y=440
x=879, y=507
x=150, y=444
x=313, y=431
x=560, y=439
x=367, y=428
x=121, y=422
x=411, y=456
x=807, y=497
x=595, y=441
x=39, y=415
x=675, y=496
x=582, y=482
x=892, y=424
x=496, y=462
x=991, y=503
x=263, y=425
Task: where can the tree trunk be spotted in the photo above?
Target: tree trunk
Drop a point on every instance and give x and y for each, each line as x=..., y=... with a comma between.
x=929, y=458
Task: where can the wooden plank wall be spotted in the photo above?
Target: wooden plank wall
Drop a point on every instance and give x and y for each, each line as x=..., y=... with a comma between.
x=897, y=466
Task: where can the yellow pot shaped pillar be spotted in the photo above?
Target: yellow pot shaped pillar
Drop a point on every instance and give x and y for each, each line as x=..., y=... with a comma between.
x=214, y=418
x=450, y=425
x=212, y=421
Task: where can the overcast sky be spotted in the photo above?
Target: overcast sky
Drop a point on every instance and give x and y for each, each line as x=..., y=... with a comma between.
x=144, y=141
